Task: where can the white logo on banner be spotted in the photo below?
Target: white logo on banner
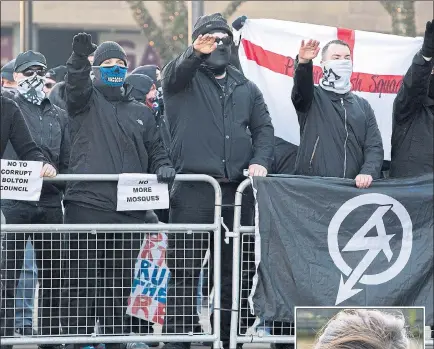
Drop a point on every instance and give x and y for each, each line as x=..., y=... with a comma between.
x=374, y=244
x=140, y=192
x=20, y=180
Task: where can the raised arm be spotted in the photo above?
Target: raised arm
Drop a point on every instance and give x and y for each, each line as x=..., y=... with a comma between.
x=414, y=86
x=302, y=92
x=178, y=73
x=78, y=82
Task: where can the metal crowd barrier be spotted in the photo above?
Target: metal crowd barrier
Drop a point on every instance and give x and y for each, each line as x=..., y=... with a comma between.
x=99, y=237
x=245, y=327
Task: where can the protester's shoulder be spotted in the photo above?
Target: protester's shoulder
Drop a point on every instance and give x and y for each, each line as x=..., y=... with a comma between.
x=8, y=104
x=363, y=102
x=11, y=94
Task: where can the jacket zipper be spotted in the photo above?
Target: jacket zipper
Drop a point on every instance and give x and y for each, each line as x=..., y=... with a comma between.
x=42, y=128
x=51, y=133
x=313, y=152
x=346, y=138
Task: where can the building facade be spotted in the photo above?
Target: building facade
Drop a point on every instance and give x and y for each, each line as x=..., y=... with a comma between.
x=55, y=22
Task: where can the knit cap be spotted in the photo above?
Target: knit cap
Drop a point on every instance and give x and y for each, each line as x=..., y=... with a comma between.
x=107, y=50
x=208, y=23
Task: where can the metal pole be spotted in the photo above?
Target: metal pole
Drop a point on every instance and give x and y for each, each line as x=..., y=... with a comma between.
x=26, y=25
x=196, y=9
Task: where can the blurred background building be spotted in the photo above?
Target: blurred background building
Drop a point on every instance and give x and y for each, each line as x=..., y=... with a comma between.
x=156, y=31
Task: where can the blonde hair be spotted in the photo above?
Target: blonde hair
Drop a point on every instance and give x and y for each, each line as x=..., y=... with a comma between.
x=364, y=329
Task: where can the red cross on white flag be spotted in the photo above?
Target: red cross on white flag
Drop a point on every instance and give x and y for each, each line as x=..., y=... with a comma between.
x=268, y=50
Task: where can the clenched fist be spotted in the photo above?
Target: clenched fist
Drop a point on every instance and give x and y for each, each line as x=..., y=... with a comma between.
x=205, y=44
x=82, y=44
x=308, y=51
x=428, y=40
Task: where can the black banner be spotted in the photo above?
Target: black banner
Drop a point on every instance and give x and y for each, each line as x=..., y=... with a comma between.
x=323, y=242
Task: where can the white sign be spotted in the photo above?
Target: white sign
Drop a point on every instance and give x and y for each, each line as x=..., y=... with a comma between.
x=267, y=54
x=374, y=245
x=21, y=180
x=141, y=192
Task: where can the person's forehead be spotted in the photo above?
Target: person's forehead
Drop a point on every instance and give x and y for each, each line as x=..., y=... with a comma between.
x=338, y=49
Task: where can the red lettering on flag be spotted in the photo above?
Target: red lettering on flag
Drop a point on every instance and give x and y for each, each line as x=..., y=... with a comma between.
x=363, y=82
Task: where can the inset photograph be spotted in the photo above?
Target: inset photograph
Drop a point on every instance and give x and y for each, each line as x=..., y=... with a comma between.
x=359, y=328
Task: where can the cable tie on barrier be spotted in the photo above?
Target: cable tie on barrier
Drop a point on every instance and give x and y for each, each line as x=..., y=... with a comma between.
x=223, y=309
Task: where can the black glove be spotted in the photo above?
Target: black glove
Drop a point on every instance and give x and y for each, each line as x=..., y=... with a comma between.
x=428, y=41
x=239, y=22
x=166, y=174
x=82, y=44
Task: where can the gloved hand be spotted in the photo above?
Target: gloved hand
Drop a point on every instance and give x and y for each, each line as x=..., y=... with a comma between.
x=166, y=174
x=82, y=44
x=428, y=41
x=239, y=22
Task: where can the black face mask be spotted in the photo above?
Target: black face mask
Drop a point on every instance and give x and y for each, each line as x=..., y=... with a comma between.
x=219, y=59
x=431, y=87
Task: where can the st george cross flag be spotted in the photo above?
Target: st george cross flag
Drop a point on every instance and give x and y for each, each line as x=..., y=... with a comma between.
x=323, y=242
x=267, y=53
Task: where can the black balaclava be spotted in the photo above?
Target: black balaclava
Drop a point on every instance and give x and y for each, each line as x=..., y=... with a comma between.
x=219, y=59
x=141, y=85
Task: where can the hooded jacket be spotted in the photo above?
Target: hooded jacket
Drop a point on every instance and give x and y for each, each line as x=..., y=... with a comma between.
x=109, y=136
x=212, y=132
x=413, y=115
x=48, y=125
x=339, y=135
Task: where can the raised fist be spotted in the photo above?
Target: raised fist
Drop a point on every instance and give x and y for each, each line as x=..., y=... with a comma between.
x=308, y=51
x=428, y=40
x=82, y=44
x=205, y=44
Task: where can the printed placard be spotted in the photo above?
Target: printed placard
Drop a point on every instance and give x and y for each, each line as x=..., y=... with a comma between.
x=21, y=180
x=140, y=192
x=148, y=296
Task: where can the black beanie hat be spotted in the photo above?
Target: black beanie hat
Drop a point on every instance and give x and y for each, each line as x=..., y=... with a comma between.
x=107, y=50
x=208, y=23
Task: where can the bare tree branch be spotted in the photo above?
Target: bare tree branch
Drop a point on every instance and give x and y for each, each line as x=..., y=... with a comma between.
x=231, y=8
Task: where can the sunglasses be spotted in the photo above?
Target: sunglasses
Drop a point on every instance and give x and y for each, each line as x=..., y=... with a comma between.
x=30, y=72
x=227, y=40
x=49, y=85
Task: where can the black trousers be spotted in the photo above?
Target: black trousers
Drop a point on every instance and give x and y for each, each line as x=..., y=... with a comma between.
x=98, y=274
x=47, y=247
x=194, y=203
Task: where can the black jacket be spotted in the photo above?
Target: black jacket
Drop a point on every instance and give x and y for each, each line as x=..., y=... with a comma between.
x=212, y=132
x=413, y=113
x=48, y=126
x=339, y=136
x=109, y=136
x=285, y=154
x=57, y=95
x=14, y=129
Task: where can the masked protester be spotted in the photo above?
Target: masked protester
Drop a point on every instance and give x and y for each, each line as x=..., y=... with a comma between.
x=334, y=120
x=15, y=130
x=157, y=105
x=220, y=126
x=48, y=127
x=111, y=133
x=413, y=114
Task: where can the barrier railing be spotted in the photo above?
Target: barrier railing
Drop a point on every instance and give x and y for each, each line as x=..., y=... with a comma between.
x=92, y=266
x=245, y=327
